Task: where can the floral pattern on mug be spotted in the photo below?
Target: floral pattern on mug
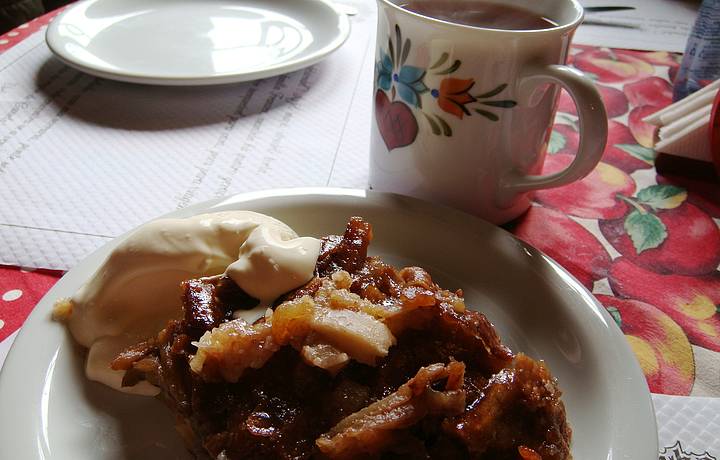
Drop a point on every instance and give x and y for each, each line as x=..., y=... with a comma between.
x=396, y=115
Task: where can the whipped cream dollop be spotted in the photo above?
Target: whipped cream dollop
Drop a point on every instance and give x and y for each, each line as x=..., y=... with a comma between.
x=136, y=290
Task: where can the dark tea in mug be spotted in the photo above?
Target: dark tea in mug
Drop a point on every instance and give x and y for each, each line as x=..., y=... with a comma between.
x=479, y=14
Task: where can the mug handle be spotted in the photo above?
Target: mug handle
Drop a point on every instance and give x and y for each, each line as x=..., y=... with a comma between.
x=593, y=132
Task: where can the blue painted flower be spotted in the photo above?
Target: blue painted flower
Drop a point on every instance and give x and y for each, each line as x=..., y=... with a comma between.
x=384, y=72
x=410, y=84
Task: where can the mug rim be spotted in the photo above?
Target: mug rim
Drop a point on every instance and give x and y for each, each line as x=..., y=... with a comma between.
x=579, y=10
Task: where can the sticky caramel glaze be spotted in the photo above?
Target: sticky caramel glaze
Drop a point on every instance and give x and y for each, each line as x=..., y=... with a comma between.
x=282, y=410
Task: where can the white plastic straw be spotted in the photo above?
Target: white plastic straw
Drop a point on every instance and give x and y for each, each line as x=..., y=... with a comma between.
x=683, y=107
x=677, y=125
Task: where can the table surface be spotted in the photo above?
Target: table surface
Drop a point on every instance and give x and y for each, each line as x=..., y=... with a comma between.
x=647, y=244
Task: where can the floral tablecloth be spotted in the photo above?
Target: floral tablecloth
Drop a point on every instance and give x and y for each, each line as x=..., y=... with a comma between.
x=646, y=244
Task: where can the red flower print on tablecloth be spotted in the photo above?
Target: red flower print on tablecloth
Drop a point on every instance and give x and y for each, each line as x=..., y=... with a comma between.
x=647, y=96
x=691, y=301
x=593, y=197
x=566, y=103
x=566, y=241
x=564, y=138
x=616, y=103
x=621, y=149
x=664, y=233
x=704, y=195
x=577, y=48
x=659, y=58
x=20, y=291
x=644, y=133
x=623, y=152
x=654, y=91
x=660, y=345
x=612, y=65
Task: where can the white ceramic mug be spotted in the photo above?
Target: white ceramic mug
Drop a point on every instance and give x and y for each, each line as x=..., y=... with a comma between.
x=463, y=115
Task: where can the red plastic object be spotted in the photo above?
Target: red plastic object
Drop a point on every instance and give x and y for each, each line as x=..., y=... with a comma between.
x=714, y=132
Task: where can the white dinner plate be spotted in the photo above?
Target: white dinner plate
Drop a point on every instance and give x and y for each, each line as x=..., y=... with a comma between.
x=49, y=409
x=195, y=42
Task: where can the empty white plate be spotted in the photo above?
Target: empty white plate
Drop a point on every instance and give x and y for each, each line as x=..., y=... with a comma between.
x=196, y=42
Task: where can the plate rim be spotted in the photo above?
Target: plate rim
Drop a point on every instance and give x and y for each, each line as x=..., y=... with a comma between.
x=636, y=380
x=53, y=42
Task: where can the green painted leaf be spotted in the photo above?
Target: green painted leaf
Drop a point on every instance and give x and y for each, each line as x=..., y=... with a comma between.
x=444, y=57
x=638, y=151
x=489, y=115
x=455, y=65
x=405, y=51
x=447, y=131
x=391, y=50
x=557, y=142
x=507, y=104
x=615, y=313
x=494, y=92
x=662, y=196
x=433, y=124
x=460, y=106
x=398, y=42
x=645, y=230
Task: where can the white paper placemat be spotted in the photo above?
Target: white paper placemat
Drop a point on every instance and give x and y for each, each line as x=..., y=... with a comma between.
x=654, y=25
x=80, y=156
x=688, y=427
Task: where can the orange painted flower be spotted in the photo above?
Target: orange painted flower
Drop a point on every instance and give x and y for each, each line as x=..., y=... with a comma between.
x=453, y=95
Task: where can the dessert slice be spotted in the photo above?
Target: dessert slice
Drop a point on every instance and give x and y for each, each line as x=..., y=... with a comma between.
x=363, y=361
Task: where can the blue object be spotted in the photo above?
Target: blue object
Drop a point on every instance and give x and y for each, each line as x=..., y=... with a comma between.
x=701, y=62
